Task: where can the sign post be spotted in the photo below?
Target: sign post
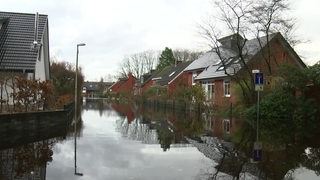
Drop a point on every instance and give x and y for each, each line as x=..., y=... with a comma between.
x=257, y=151
x=258, y=81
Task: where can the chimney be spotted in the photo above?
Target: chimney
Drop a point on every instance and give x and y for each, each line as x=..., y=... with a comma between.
x=36, y=24
x=231, y=42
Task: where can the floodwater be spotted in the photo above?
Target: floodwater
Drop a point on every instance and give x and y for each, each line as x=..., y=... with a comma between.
x=120, y=142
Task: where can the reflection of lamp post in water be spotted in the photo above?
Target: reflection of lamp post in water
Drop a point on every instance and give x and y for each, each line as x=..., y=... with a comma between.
x=75, y=157
x=76, y=112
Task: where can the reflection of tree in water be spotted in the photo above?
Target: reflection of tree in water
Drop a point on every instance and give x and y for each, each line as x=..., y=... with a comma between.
x=234, y=160
x=172, y=128
x=311, y=159
x=137, y=130
x=146, y=132
x=165, y=136
x=188, y=124
x=282, y=154
x=100, y=105
x=20, y=162
x=230, y=162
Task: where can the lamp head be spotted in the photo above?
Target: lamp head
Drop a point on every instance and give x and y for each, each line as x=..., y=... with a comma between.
x=81, y=44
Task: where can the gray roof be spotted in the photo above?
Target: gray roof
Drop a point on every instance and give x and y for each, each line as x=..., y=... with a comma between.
x=16, y=40
x=232, y=64
x=167, y=76
x=207, y=59
x=211, y=72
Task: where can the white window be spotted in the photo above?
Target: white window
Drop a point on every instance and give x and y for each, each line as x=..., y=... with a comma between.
x=208, y=89
x=194, y=75
x=227, y=88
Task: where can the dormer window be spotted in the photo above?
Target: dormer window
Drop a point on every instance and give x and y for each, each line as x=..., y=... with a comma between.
x=220, y=68
x=172, y=74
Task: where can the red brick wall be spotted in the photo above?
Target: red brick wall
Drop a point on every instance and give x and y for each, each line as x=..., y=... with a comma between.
x=129, y=84
x=146, y=86
x=115, y=87
x=180, y=81
x=280, y=55
x=189, y=76
x=223, y=127
x=220, y=99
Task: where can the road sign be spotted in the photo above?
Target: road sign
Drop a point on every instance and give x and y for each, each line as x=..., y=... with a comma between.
x=258, y=78
x=258, y=81
x=257, y=151
x=258, y=87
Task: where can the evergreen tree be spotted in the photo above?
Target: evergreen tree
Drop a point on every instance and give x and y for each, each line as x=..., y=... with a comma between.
x=166, y=59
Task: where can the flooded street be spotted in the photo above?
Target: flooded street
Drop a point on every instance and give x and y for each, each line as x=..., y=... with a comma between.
x=105, y=152
x=124, y=142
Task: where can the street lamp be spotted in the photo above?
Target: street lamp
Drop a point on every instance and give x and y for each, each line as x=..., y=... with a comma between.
x=76, y=112
x=76, y=84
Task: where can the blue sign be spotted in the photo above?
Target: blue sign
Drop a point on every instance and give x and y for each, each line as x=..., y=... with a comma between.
x=258, y=78
x=257, y=154
x=257, y=151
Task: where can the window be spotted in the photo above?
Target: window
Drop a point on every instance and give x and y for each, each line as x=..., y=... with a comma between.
x=220, y=68
x=208, y=89
x=227, y=89
x=171, y=74
x=194, y=75
x=226, y=126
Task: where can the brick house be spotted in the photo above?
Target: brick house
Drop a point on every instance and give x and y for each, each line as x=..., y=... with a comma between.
x=124, y=85
x=171, y=78
x=219, y=87
x=200, y=64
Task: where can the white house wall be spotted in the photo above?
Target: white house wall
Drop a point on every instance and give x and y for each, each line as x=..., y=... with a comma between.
x=42, y=64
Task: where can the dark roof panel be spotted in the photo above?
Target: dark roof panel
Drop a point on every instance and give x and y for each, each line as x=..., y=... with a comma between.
x=16, y=40
x=171, y=73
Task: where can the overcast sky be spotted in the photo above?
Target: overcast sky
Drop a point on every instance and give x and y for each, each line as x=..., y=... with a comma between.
x=113, y=29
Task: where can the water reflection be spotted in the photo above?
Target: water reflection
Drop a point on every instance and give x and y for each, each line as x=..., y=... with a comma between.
x=213, y=136
x=27, y=161
x=116, y=141
x=113, y=147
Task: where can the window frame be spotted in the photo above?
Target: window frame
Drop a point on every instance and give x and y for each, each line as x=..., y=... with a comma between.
x=227, y=88
x=209, y=92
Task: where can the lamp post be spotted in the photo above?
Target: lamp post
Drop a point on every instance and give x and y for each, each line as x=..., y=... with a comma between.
x=76, y=84
x=76, y=112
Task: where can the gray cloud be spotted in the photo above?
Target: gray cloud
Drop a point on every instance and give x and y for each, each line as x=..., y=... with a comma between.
x=113, y=29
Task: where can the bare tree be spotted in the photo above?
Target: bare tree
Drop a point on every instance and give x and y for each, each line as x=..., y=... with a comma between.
x=150, y=59
x=244, y=19
x=138, y=64
x=125, y=67
x=185, y=55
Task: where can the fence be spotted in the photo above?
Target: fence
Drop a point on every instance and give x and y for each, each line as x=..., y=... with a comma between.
x=29, y=127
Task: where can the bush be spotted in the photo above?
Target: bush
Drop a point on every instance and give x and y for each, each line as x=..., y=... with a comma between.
x=284, y=117
x=194, y=94
x=156, y=91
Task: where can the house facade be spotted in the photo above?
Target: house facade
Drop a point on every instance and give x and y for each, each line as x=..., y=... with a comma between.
x=199, y=65
x=124, y=85
x=94, y=89
x=170, y=78
x=24, y=49
x=217, y=79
